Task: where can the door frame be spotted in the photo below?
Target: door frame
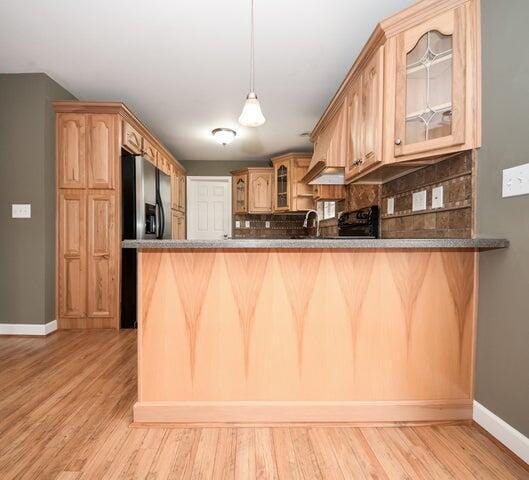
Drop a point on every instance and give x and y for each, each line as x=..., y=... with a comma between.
x=190, y=213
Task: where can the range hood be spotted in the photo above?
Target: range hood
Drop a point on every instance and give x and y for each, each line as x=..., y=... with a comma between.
x=327, y=166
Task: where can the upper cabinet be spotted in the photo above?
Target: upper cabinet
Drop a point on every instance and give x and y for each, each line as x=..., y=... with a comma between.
x=132, y=139
x=290, y=194
x=103, y=150
x=430, y=84
x=411, y=97
x=252, y=190
x=71, y=150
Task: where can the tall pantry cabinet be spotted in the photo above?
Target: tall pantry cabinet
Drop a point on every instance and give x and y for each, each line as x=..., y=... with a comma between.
x=89, y=140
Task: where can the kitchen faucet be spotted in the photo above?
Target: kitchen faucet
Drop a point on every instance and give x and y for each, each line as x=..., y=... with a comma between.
x=306, y=222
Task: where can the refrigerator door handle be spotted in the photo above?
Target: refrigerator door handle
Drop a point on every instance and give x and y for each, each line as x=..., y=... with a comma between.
x=162, y=218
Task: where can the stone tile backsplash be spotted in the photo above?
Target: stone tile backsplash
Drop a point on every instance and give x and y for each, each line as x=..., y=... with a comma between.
x=452, y=220
x=281, y=226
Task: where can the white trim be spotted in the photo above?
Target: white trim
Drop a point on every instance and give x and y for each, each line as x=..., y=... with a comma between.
x=515, y=441
x=208, y=178
x=28, y=328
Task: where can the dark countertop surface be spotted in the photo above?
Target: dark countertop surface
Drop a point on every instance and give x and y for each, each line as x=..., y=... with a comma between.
x=329, y=242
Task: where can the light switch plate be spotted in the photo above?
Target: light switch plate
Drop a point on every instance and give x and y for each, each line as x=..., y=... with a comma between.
x=437, y=197
x=237, y=224
x=516, y=181
x=391, y=205
x=267, y=224
x=419, y=201
x=247, y=224
x=21, y=210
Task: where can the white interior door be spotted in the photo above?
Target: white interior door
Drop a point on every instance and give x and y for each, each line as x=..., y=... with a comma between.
x=208, y=208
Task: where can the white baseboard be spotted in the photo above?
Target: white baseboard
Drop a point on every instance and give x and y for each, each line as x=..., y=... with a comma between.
x=502, y=431
x=28, y=328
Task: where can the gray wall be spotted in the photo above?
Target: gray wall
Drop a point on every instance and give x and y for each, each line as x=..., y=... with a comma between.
x=218, y=167
x=27, y=175
x=502, y=380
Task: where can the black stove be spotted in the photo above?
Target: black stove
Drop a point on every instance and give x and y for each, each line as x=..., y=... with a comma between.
x=360, y=223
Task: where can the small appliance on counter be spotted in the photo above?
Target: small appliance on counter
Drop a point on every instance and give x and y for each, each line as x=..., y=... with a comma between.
x=359, y=223
x=146, y=214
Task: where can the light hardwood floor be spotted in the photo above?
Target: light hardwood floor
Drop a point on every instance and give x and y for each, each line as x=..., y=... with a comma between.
x=66, y=408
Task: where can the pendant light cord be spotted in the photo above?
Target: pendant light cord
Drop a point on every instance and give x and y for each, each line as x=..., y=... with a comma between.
x=251, y=51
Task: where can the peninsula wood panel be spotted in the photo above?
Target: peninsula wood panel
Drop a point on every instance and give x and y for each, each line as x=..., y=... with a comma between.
x=330, y=335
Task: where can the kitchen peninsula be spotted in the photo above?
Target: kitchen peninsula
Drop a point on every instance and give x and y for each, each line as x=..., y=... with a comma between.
x=313, y=330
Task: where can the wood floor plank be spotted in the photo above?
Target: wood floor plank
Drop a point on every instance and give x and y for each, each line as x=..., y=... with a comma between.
x=66, y=403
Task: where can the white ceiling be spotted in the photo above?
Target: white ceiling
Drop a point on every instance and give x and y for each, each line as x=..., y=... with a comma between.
x=182, y=65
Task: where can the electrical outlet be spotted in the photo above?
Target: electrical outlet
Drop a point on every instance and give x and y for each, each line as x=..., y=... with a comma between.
x=437, y=197
x=237, y=224
x=267, y=224
x=516, y=181
x=247, y=224
x=391, y=206
x=419, y=201
x=19, y=210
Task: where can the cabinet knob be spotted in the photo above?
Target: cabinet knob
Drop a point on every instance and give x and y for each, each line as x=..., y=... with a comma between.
x=398, y=141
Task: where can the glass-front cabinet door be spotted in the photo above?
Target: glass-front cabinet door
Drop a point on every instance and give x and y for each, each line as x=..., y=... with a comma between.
x=282, y=197
x=430, y=85
x=240, y=193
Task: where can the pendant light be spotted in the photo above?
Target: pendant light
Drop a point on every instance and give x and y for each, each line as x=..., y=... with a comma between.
x=251, y=115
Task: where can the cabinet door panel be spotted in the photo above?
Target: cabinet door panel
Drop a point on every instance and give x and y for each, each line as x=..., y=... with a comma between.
x=182, y=193
x=431, y=85
x=178, y=225
x=150, y=152
x=282, y=186
x=71, y=150
x=132, y=140
x=101, y=254
x=240, y=193
x=102, y=150
x=72, y=253
x=175, y=184
x=372, y=110
x=260, y=194
x=355, y=152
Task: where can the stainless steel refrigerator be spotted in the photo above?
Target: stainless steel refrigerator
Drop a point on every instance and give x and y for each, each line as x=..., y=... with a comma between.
x=146, y=214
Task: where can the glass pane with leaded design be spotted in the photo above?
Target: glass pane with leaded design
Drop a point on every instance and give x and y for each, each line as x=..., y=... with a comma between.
x=429, y=88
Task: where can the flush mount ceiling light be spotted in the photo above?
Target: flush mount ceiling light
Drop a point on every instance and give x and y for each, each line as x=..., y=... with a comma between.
x=251, y=115
x=224, y=135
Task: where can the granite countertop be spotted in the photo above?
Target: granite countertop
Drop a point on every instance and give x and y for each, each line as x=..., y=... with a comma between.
x=329, y=242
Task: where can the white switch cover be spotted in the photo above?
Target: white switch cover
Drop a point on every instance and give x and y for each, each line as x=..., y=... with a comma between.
x=267, y=224
x=437, y=197
x=21, y=210
x=247, y=224
x=516, y=181
x=391, y=205
x=237, y=224
x=419, y=201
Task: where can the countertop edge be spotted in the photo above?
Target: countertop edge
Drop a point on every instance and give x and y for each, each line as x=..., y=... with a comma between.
x=409, y=243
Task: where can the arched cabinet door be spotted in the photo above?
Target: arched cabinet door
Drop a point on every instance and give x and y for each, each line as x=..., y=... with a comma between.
x=282, y=192
x=240, y=193
x=260, y=191
x=431, y=84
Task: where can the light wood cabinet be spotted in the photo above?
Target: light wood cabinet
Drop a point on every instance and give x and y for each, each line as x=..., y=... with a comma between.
x=329, y=192
x=132, y=140
x=103, y=150
x=90, y=136
x=252, y=190
x=150, y=152
x=430, y=84
x=71, y=148
x=178, y=225
x=260, y=190
x=240, y=192
x=71, y=253
x=101, y=253
x=290, y=193
x=412, y=96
